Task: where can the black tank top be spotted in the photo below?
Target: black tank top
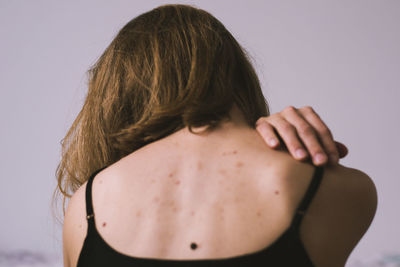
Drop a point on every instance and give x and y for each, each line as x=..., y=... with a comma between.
x=287, y=250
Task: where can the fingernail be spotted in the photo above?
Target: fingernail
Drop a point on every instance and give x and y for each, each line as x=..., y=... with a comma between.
x=300, y=153
x=319, y=158
x=273, y=141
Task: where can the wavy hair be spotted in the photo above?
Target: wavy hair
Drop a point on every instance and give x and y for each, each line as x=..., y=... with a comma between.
x=172, y=67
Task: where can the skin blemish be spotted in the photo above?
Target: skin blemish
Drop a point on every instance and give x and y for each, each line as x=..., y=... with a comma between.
x=222, y=171
x=258, y=213
x=156, y=199
x=192, y=213
x=177, y=182
x=104, y=224
x=199, y=165
x=193, y=245
x=138, y=214
x=276, y=192
x=239, y=164
x=231, y=152
x=153, y=181
x=237, y=199
x=171, y=174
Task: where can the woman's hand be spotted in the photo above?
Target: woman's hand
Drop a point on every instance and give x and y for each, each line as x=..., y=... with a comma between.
x=297, y=128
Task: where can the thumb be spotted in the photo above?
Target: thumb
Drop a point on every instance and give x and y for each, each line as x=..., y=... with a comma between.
x=342, y=149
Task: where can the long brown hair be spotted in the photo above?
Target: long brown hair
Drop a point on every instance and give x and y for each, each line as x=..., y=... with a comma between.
x=173, y=67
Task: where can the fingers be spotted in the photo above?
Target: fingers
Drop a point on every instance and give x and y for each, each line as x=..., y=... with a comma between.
x=286, y=131
x=267, y=133
x=315, y=134
x=343, y=150
x=302, y=129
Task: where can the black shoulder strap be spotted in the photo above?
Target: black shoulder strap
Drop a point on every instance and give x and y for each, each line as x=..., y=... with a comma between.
x=312, y=189
x=89, y=202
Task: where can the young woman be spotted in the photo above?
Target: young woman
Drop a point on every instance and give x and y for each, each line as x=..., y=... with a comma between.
x=168, y=165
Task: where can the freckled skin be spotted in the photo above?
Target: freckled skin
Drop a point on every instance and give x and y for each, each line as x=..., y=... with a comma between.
x=173, y=206
x=258, y=213
x=199, y=165
x=276, y=192
x=239, y=164
x=220, y=212
x=229, y=152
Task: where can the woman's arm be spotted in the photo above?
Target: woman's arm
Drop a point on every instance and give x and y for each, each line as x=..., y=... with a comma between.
x=301, y=130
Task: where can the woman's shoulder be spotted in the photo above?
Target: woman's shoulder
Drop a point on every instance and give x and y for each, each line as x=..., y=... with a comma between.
x=344, y=188
x=340, y=213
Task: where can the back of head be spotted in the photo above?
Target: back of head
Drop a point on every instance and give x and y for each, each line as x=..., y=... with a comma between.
x=175, y=66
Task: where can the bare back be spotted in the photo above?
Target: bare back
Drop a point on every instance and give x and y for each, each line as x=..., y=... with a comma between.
x=228, y=194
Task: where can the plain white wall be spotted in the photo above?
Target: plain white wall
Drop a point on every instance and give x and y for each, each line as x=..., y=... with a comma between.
x=340, y=57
